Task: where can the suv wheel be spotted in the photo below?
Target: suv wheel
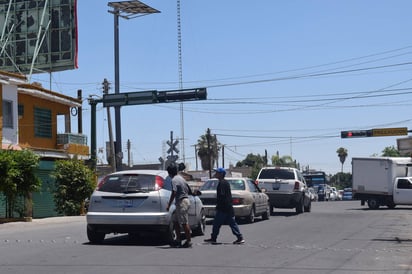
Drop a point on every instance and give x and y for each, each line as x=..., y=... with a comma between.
x=299, y=206
x=308, y=207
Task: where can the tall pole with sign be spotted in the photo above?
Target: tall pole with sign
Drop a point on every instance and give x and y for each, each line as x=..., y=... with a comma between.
x=171, y=158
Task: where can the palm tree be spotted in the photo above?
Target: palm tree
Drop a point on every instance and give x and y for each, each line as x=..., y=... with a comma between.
x=208, y=150
x=342, y=154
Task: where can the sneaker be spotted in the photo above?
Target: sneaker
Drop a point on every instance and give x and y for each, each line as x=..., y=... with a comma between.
x=212, y=241
x=187, y=244
x=239, y=242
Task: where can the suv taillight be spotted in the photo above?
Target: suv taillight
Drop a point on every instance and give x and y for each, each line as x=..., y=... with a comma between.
x=158, y=183
x=297, y=186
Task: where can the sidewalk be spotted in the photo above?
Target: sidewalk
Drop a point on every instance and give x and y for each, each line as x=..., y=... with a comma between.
x=41, y=221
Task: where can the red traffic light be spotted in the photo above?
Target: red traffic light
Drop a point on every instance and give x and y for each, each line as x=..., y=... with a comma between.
x=355, y=133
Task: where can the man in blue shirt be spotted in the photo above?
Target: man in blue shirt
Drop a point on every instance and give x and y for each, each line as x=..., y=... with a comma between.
x=224, y=209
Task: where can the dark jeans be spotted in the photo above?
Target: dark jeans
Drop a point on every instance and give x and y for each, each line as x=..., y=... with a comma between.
x=222, y=218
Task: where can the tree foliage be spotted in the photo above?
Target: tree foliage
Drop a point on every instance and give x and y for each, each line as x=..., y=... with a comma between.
x=18, y=178
x=256, y=162
x=286, y=161
x=342, y=154
x=390, y=151
x=208, y=150
x=341, y=180
x=74, y=183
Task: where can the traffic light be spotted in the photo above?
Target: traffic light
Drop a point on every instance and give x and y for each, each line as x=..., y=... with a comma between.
x=356, y=133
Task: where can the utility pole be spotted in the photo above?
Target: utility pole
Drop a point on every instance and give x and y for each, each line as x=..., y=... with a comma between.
x=209, y=156
x=129, y=159
x=223, y=156
x=112, y=159
x=197, y=167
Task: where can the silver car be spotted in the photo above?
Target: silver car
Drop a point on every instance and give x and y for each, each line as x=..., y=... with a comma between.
x=248, y=200
x=134, y=201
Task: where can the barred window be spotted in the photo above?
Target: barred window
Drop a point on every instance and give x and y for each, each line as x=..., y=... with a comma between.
x=42, y=122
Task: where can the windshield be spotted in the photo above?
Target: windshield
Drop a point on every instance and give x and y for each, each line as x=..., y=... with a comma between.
x=235, y=184
x=129, y=183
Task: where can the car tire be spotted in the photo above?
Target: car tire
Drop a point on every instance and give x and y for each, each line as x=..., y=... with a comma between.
x=308, y=208
x=271, y=207
x=299, y=206
x=170, y=234
x=201, y=226
x=251, y=217
x=94, y=236
x=266, y=214
x=373, y=203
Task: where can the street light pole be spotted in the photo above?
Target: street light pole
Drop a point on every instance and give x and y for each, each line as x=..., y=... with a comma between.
x=117, y=116
x=127, y=10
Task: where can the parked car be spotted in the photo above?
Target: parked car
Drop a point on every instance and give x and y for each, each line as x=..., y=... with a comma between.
x=134, y=201
x=248, y=200
x=347, y=194
x=286, y=188
x=312, y=193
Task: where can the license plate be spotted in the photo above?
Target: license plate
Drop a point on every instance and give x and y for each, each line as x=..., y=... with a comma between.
x=124, y=203
x=275, y=186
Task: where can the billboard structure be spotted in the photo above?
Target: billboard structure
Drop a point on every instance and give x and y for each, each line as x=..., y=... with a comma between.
x=38, y=36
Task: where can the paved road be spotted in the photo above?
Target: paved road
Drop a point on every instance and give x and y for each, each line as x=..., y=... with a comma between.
x=336, y=237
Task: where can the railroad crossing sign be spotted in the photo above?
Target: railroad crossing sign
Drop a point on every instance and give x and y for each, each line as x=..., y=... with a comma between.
x=172, y=147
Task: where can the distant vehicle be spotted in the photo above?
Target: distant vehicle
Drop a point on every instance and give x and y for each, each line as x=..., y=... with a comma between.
x=319, y=181
x=248, y=200
x=382, y=181
x=323, y=192
x=340, y=194
x=286, y=188
x=313, y=194
x=334, y=194
x=315, y=178
x=133, y=201
x=347, y=194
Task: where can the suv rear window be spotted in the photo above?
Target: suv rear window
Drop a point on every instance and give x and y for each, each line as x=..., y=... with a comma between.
x=277, y=174
x=129, y=183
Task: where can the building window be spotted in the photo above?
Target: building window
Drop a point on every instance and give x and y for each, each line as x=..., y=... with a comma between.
x=7, y=114
x=20, y=110
x=42, y=122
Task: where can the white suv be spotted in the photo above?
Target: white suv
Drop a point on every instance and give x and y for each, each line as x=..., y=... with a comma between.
x=286, y=188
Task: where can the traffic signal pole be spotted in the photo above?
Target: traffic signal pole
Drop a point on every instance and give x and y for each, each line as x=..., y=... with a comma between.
x=138, y=98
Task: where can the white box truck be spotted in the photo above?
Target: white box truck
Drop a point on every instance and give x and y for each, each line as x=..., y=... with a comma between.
x=382, y=181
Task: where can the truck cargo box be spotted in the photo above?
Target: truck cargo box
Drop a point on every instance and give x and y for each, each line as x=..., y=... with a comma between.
x=375, y=175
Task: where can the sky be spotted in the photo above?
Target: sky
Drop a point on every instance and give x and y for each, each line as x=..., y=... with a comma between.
x=284, y=77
